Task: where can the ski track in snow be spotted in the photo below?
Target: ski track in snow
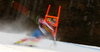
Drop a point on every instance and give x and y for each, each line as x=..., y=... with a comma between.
x=7, y=40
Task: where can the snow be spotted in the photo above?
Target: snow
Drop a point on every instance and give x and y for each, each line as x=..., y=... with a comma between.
x=45, y=45
x=8, y=48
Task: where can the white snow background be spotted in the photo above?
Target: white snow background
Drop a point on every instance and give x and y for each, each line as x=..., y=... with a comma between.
x=45, y=45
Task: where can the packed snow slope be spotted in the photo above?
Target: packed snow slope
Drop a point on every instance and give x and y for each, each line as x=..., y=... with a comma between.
x=45, y=45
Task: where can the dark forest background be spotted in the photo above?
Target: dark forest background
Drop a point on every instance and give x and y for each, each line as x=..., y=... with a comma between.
x=79, y=19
